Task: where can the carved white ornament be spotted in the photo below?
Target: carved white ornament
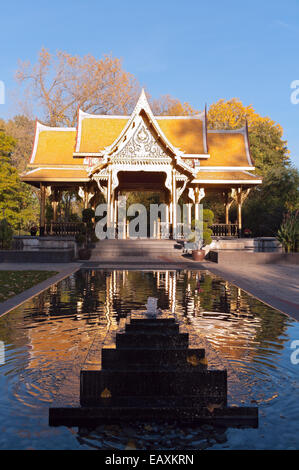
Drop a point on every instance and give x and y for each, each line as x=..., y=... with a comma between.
x=142, y=146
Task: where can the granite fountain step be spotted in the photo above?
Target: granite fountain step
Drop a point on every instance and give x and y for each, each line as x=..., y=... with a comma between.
x=206, y=385
x=150, y=328
x=147, y=358
x=152, y=341
x=152, y=375
x=190, y=415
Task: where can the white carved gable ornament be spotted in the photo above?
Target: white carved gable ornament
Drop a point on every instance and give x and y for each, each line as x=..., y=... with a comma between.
x=142, y=145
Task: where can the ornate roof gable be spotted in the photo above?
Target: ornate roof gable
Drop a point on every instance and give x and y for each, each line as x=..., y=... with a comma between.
x=143, y=141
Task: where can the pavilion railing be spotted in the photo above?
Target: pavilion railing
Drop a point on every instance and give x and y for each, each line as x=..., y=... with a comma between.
x=63, y=229
x=225, y=230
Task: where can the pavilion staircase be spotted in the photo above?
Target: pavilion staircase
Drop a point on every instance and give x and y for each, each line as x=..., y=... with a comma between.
x=136, y=251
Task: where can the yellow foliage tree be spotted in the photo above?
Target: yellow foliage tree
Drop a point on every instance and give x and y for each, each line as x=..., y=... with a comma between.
x=167, y=105
x=61, y=83
x=265, y=136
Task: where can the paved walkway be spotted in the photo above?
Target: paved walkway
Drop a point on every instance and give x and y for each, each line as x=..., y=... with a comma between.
x=274, y=284
x=63, y=270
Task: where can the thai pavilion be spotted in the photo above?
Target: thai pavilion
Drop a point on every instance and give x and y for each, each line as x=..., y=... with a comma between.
x=111, y=155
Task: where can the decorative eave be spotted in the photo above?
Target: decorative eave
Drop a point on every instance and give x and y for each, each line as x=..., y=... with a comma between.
x=39, y=127
x=142, y=107
x=225, y=168
x=206, y=131
x=242, y=130
x=51, y=174
x=236, y=176
x=83, y=115
x=247, y=143
x=56, y=166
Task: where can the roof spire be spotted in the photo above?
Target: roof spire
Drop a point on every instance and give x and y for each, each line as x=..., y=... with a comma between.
x=142, y=103
x=206, y=145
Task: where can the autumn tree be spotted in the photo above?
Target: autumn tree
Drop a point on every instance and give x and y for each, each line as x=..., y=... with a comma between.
x=264, y=208
x=60, y=83
x=7, y=143
x=167, y=105
x=265, y=136
x=21, y=128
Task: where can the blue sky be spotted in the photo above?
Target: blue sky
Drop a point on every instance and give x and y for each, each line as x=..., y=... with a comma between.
x=198, y=51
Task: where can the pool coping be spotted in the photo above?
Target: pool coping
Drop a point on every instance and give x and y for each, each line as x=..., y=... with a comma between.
x=270, y=300
x=19, y=299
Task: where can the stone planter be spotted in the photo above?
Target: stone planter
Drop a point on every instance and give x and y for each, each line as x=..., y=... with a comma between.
x=198, y=255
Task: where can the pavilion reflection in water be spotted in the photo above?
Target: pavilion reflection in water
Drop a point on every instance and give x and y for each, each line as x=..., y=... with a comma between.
x=92, y=301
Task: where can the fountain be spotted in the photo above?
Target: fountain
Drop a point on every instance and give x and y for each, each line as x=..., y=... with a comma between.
x=149, y=373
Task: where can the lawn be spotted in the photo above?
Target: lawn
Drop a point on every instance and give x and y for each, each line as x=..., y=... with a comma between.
x=14, y=282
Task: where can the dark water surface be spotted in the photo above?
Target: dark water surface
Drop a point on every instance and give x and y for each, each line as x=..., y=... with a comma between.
x=47, y=339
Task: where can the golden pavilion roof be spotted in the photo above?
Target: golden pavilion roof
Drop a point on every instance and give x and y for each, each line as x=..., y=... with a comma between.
x=212, y=155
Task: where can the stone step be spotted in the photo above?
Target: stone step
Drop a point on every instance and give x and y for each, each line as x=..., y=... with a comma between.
x=107, y=254
x=138, y=241
x=144, y=320
x=141, y=328
x=159, y=401
x=93, y=416
x=98, y=385
x=107, y=249
x=135, y=246
x=115, y=359
x=134, y=252
x=152, y=341
x=149, y=262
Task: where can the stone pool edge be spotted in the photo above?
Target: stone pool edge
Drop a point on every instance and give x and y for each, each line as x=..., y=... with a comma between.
x=19, y=299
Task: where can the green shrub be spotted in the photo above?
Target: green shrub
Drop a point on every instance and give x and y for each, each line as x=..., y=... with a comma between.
x=6, y=234
x=288, y=232
x=80, y=238
x=208, y=217
x=88, y=215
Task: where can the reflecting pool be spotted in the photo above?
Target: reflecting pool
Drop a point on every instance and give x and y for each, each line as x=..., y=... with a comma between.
x=47, y=339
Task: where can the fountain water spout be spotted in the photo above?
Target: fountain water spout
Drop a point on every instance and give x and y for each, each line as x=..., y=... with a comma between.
x=152, y=307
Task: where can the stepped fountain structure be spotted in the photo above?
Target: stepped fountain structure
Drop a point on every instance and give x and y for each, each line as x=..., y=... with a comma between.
x=149, y=373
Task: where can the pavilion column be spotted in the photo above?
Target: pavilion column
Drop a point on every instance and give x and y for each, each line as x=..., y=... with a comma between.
x=112, y=208
x=189, y=214
x=42, y=209
x=199, y=195
x=54, y=207
x=85, y=198
x=227, y=206
x=54, y=203
x=167, y=221
x=115, y=212
x=239, y=211
x=109, y=199
x=174, y=204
